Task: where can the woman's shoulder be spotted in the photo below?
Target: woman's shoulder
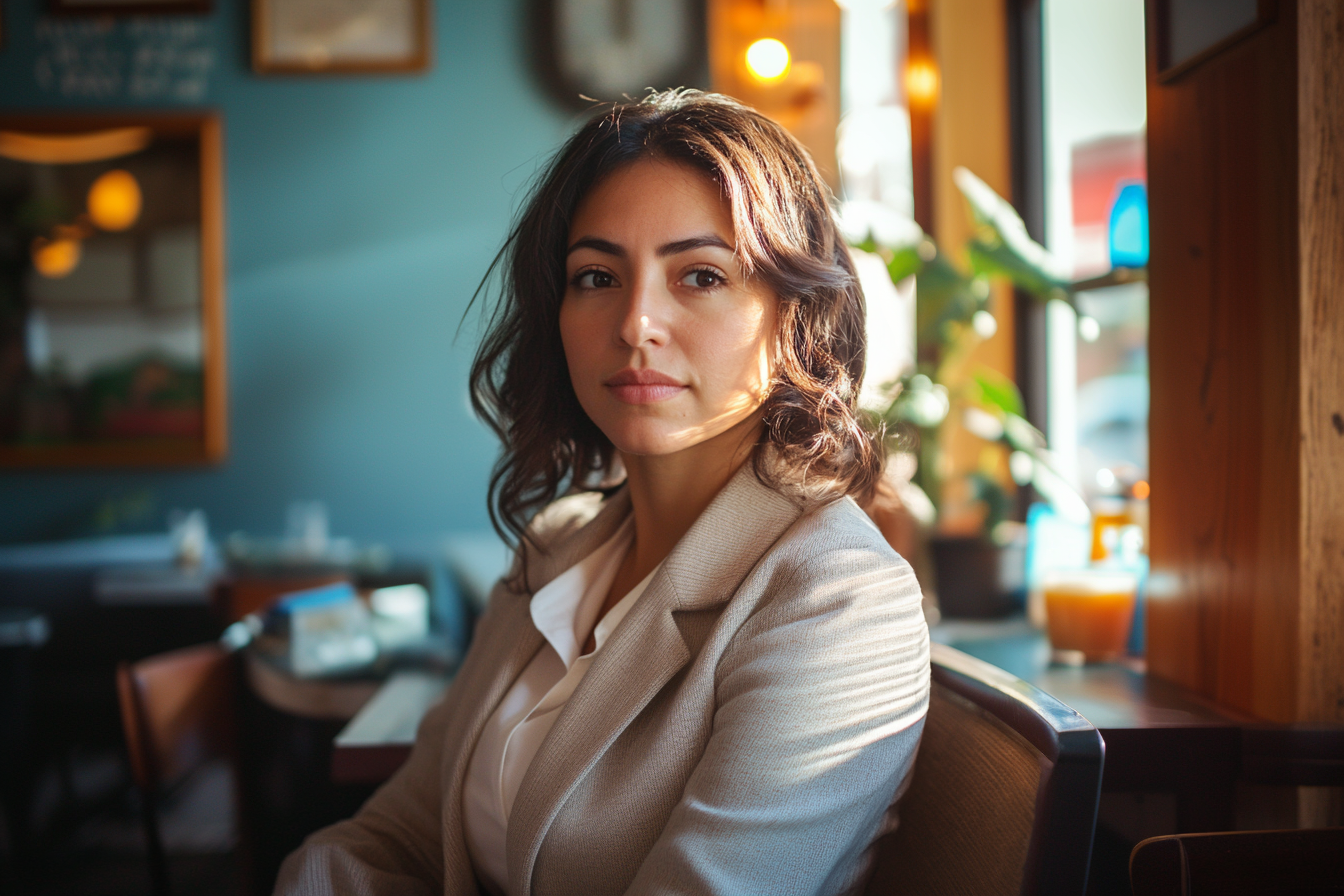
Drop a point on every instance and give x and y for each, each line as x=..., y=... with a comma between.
x=840, y=525
x=833, y=549
x=828, y=585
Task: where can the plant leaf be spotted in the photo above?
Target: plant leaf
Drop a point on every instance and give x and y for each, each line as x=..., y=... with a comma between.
x=1022, y=436
x=999, y=392
x=943, y=295
x=904, y=262
x=1002, y=245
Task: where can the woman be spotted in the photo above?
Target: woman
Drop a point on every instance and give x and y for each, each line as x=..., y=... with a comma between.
x=713, y=680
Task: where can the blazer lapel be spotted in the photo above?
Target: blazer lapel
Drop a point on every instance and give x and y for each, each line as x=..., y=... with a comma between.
x=704, y=570
x=506, y=641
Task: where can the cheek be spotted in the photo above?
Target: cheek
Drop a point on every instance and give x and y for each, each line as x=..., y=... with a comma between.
x=572, y=336
x=739, y=348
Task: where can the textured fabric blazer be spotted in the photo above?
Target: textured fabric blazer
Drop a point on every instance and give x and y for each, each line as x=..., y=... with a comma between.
x=744, y=730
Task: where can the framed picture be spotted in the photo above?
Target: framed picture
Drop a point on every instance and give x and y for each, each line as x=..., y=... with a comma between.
x=313, y=36
x=153, y=7
x=111, y=291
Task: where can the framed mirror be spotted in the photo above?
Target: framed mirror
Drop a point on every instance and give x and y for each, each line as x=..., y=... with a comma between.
x=111, y=291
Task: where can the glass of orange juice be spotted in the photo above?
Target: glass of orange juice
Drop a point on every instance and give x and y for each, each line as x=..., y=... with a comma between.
x=1088, y=613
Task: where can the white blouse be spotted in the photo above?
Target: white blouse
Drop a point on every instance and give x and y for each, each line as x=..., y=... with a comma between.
x=563, y=611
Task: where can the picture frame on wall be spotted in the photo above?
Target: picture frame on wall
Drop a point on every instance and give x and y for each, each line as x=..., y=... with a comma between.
x=111, y=291
x=130, y=7
x=340, y=36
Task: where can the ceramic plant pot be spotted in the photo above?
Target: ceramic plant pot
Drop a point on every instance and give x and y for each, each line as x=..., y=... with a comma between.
x=977, y=578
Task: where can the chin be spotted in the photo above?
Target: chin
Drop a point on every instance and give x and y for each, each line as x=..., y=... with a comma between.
x=644, y=440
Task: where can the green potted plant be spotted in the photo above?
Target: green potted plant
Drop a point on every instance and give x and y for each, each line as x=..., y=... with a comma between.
x=980, y=572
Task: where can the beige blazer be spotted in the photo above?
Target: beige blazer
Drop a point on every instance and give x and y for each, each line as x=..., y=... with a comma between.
x=743, y=731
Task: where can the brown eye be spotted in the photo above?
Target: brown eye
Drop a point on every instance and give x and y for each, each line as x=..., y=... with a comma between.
x=594, y=280
x=702, y=279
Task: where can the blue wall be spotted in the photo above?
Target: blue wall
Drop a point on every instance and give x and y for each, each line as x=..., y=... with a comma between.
x=361, y=212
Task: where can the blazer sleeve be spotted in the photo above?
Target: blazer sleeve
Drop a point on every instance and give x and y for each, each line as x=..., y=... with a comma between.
x=392, y=845
x=820, y=702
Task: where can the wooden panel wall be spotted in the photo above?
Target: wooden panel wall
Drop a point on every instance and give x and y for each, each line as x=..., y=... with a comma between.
x=1223, y=358
x=1244, y=349
x=1321, y=192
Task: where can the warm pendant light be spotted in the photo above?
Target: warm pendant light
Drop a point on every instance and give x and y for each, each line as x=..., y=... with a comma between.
x=768, y=59
x=115, y=200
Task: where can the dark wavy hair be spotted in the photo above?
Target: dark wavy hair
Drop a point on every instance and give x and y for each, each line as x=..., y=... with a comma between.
x=786, y=234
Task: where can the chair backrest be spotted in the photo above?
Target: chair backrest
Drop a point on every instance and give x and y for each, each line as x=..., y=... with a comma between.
x=1240, y=863
x=1003, y=798
x=177, y=710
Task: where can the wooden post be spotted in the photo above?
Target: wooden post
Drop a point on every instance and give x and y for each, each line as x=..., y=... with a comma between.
x=1321, y=200
x=970, y=128
x=1246, y=175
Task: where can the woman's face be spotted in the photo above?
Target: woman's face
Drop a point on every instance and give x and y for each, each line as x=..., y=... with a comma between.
x=668, y=344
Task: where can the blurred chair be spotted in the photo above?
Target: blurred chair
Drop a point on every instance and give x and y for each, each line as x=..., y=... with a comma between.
x=1004, y=795
x=178, y=710
x=1240, y=863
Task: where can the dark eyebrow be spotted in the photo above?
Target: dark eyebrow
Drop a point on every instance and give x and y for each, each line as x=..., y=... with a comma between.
x=606, y=247
x=695, y=242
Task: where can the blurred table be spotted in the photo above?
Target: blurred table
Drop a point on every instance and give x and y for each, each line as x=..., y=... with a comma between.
x=379, y=738
x=1160, y=737
x=287, y=728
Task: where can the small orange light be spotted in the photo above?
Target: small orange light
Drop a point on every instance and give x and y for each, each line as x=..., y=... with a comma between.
x=921, y=82
x=115, y=200
x=55, y=259
x=768, y=59
x=1141, y=490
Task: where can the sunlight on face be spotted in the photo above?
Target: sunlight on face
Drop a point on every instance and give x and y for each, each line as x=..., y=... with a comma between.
x=668, y=344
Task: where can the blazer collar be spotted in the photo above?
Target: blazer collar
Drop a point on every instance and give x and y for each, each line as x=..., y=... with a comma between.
x=703, y=571
x=569, y=548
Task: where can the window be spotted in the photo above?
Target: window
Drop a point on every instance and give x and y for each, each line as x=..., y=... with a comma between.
x=1096, y=214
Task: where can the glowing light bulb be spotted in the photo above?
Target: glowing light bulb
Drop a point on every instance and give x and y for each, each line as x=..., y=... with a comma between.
x=921, y=81
x=55, y=259
x=115, y=200
x=768, y=59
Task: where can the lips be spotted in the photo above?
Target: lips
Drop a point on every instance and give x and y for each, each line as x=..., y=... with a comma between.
x=643, y=386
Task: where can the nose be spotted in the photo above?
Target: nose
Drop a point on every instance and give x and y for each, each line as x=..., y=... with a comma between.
x=643, y=317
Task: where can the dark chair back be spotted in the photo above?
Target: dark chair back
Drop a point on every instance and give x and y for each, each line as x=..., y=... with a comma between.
x=178, y=711
x=1003, y=799
x=1240, y=863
